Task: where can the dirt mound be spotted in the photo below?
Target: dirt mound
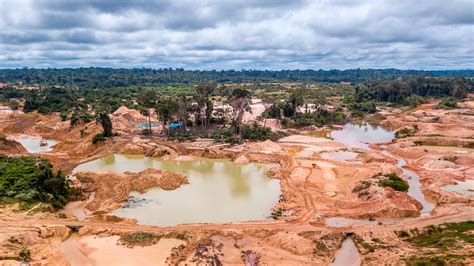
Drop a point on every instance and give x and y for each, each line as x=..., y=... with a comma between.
x=9, y=147
x=110, y=190
x=439, y=164
x=125, y=119
x=267, y=146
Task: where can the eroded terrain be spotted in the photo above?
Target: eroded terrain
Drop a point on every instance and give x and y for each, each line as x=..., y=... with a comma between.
x=324, y=198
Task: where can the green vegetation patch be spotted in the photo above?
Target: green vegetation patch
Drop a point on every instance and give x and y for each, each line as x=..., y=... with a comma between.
x=445, y=236
x=392, y=180
x=139, y=239
x=448, y=103
x=426, y=260
x=362, y=244
x=30, y=179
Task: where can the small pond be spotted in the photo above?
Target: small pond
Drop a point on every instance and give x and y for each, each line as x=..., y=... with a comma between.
x=144, y=125
x=347, y=222
x=33, y=144
x=465, y=188
x=219, y=191
x=340, y=155
x=361, y=135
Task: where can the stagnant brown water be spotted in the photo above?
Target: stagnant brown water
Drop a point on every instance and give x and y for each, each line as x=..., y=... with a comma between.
x=219, y=191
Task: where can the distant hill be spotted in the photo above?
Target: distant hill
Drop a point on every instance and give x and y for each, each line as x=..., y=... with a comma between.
x=107, y=77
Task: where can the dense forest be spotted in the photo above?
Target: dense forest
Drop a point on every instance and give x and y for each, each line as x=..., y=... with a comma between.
x=29, y=179
x=110, y=77
x=403, y=90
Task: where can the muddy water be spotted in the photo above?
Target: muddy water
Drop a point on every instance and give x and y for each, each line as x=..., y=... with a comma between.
x=361, y=135
x=72, y=253
x=347, y=255
x=106, y=251
x=413, y=180
x=340, y=155
x=219, y=191
x=32, y=144
x=465, y=188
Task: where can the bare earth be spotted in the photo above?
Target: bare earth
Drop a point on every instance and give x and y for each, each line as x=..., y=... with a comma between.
x=313, y=189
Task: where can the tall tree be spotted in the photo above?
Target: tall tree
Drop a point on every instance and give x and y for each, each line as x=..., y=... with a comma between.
x=205, y=91
x=104, y=120
x=296, y=98
x=147, y=99
x=165, y=109
x=240, y=102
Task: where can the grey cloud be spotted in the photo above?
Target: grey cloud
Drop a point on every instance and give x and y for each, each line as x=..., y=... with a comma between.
x=236, y=34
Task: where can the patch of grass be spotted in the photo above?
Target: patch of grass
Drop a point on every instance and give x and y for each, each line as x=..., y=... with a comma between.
x=361, y=243
x=445, y=236
x=320, y=248
x=139, y=239
x=426, y=260
x=402, y=233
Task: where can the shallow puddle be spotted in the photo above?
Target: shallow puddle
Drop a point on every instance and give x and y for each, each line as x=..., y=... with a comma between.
x=347, y=255
x=219, y=191
x=144, y=125
x=465, y=188
x=361, y=135
x=72, y=253
x=107, y=251
x=347, y=222
x=36, y=144
x=340, y=155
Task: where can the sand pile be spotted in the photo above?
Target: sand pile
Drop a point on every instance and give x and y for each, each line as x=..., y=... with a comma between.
x=112, y=189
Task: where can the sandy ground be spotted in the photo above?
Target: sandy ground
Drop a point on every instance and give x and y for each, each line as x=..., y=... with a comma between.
x=106, y=251
x=313, y=189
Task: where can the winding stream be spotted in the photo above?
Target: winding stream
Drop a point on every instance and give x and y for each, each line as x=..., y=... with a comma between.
x=414, y=189
x=359, y=136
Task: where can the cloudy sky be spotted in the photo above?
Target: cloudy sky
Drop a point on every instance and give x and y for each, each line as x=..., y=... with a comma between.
x=236, y=34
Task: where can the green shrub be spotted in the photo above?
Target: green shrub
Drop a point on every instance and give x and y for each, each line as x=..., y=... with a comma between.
x=64, y=115
x=139, y=239
x=406, y=132
x=98, y=138
x=256, y=132
x=29, y=180
x=393, y=181
x=448, y=103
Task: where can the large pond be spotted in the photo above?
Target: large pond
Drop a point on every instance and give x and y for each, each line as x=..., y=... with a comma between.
x=361, y=135
x=219, y=191
x=36, y=144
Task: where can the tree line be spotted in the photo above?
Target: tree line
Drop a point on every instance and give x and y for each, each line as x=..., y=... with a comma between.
x=110, y=77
